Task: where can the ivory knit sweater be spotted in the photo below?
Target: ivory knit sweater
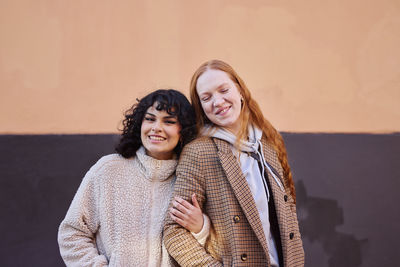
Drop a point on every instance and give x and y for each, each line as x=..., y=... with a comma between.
x=117, y=214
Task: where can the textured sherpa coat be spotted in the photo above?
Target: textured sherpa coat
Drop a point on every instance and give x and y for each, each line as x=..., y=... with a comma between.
x=208, y=168
x=116, y=216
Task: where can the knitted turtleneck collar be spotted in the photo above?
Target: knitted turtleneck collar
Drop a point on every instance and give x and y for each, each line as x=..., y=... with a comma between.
x=154, y=169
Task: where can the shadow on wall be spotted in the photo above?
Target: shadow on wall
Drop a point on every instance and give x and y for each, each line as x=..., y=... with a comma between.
x=341, y=249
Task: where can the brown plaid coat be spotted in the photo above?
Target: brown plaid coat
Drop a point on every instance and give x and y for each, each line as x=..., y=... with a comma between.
x=208, y=168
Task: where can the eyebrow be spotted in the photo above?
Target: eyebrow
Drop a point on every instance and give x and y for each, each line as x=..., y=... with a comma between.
x=222, y=85
x=166, y=117
x=218, y=87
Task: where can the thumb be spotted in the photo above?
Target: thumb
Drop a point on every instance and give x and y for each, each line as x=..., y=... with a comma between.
x=194, y=201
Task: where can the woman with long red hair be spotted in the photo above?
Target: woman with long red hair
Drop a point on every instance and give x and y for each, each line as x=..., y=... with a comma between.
x=239, y=171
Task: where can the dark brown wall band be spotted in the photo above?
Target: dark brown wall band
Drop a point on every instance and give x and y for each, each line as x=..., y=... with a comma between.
x=346, y=194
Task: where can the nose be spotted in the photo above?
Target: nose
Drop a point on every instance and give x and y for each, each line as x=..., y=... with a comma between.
x=156, y=127
x=218, y=101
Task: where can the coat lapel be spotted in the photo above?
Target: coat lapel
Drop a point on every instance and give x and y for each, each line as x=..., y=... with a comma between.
x=241, y=189
x=272, y=158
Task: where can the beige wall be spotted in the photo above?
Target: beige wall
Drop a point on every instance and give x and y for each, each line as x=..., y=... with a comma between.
x=314, y=66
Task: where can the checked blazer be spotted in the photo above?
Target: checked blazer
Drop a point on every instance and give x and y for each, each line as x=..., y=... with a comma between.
x=208, y=168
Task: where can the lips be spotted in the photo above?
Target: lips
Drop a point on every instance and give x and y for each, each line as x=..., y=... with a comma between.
x=156, y=138
x=222, y=111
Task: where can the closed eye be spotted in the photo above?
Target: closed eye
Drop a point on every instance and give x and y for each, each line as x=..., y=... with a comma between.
x=205, y=98
x=149, y=118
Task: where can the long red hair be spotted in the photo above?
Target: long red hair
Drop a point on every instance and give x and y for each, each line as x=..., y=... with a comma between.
x=251, y=113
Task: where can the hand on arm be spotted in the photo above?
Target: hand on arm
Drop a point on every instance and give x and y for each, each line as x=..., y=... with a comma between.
x=187, y=215
x=191, y=217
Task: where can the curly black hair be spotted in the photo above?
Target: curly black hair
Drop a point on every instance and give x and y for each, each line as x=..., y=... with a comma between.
x=169, y=100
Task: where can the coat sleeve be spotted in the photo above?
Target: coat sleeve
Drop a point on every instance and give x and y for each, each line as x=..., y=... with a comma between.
x=76, y=234
x=180, y=243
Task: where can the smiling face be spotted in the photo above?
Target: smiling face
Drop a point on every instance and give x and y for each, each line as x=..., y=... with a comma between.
x=220, y=99
x=160, y=133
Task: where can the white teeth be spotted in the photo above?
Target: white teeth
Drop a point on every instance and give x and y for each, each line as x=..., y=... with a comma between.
x=156, y=138
x=222, y=111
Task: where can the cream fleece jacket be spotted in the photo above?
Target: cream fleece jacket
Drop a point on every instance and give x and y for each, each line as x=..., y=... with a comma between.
x=117, y=215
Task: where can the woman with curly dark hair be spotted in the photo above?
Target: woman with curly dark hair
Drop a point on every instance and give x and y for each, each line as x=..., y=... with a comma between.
x=117, y=214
